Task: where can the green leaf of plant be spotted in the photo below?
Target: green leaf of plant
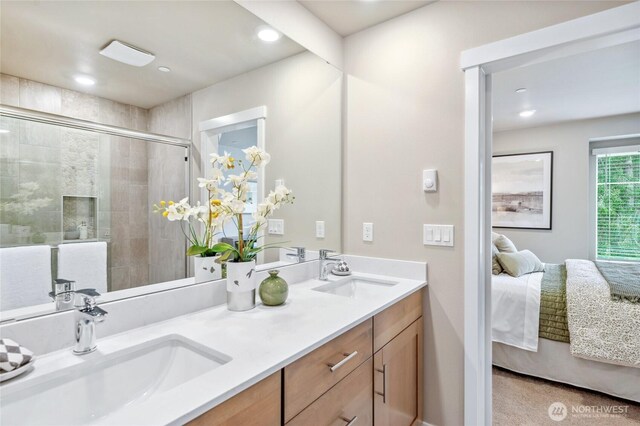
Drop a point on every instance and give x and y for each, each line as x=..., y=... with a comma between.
x=225, y=256
x=223, y=247
x=196, y=250
x=210, y=253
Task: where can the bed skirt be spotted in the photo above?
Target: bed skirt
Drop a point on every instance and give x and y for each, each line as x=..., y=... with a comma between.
x=553, y=361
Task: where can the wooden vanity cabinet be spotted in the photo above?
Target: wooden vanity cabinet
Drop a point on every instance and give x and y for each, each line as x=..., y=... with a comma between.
x=397, y=376
x=398, y=363
x=369, y=375
x=260, y=405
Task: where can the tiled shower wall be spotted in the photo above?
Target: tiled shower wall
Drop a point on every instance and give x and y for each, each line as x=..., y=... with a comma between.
x=56, y=150
x=167, y=250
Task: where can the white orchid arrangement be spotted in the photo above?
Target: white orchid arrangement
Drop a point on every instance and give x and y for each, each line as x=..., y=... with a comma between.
x=25, y=202
x=224, y=205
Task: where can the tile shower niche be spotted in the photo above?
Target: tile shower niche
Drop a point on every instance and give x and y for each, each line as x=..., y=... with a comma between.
x=79, y=218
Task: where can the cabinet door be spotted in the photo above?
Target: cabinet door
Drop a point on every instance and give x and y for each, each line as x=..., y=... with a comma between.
x=398, y=379
x=257, y=406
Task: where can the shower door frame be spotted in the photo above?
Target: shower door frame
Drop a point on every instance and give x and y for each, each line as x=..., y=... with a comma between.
x=74, y=123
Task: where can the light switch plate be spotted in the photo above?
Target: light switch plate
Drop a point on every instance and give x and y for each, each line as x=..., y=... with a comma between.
x=367, y=231
x=438, y=235
x=276, y=227
x=319, y=228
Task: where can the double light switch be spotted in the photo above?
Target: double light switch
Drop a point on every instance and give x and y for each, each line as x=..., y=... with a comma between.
x=438, y=235
x=275, y=227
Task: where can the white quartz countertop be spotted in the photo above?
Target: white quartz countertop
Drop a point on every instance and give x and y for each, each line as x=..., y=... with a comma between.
x=259, y=342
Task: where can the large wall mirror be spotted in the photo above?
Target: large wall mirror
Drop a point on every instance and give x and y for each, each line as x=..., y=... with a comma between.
x=90, y=144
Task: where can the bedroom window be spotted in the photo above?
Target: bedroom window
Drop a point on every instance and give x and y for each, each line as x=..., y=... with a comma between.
x=618, y=203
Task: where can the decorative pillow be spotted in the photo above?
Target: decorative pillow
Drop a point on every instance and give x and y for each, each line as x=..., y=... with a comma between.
x=520, y=263
x=505, y=245
x=496, y=268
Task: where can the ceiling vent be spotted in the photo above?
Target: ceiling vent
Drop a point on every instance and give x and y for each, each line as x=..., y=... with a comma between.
x=127, y=54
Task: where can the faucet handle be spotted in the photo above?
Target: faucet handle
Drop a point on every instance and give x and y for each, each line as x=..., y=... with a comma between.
x=300, y=253
x=97, y=313
x=86, y=298
x=91, y=292
x=324, y=253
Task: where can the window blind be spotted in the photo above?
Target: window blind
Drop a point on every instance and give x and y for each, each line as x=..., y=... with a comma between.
x=618, y=205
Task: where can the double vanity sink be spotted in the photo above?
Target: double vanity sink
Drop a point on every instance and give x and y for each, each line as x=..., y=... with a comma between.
x=172, y=371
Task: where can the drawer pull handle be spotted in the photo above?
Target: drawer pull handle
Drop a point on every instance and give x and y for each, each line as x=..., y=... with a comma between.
x=350, y=422
x=334, y=367
x=383, y=394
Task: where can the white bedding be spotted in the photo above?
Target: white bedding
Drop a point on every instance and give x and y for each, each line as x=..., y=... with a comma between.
x=554, y=361
x=515, y=310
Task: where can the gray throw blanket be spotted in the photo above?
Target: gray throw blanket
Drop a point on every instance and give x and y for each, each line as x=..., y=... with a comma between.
x=623, y=279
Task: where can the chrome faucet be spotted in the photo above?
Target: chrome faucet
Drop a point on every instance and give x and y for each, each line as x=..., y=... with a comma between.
x=63, y=293
x=300, y=254
x=87, y=314
x=324, y=262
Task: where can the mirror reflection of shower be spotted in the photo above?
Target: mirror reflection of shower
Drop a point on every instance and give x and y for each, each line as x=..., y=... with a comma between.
x=85, y=197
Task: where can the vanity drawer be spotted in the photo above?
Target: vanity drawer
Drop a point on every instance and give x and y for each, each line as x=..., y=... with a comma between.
x=308, y=378
x=257, y=406
x=349, y=402
x=390, y=322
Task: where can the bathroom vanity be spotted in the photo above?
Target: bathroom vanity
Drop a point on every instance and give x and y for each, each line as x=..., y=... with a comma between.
x=371, y=374
x=346, y=350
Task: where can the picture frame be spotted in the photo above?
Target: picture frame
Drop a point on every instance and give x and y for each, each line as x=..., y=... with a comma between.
x=522, y=191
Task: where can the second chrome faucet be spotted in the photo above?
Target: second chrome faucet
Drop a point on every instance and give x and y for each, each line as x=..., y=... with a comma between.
x=87, y=314
x=325, y=262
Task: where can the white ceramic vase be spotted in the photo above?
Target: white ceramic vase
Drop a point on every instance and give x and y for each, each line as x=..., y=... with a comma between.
x=206, y=269
x=241, y=285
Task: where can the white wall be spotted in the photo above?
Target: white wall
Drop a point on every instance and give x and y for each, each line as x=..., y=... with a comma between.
x=569, y=237
x=405, y=113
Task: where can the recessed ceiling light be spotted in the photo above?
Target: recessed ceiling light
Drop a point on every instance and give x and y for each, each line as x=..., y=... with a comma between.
x=268, y=34
x=84, y=80
x=527, y=113
x=521, y=90
x=164, y=69
x=3, y=131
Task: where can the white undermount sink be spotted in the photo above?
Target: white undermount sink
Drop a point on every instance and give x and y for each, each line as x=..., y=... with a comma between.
x=103, y=385
x=356, y=287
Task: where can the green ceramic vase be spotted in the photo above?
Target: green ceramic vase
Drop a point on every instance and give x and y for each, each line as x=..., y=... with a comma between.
x=273, y=290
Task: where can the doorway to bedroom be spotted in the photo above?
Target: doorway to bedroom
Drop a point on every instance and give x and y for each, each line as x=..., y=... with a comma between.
x=552, y=223
x=565, y=215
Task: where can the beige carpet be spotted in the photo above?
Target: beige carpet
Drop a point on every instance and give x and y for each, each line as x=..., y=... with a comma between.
x=524, y=400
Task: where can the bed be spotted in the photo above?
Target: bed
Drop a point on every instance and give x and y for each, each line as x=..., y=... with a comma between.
x=562, y=325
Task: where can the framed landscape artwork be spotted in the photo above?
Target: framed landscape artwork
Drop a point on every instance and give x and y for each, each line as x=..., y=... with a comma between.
x=521, y=190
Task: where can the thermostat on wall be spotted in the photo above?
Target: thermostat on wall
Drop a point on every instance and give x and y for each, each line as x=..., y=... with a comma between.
x=430, y=180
